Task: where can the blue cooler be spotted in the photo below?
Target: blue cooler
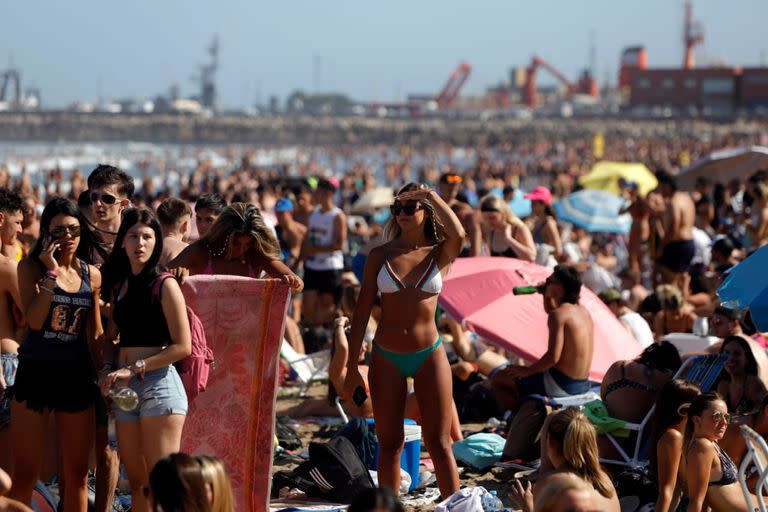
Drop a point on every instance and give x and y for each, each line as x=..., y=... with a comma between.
x=411, y=455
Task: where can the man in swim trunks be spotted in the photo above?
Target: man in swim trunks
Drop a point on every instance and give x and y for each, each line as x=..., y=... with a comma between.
x=564, y=369
x=677, y=248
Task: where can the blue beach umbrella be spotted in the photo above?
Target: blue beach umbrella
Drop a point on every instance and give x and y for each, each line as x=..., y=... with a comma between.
x=746, y=286
x=519, y=205
x=597, y=211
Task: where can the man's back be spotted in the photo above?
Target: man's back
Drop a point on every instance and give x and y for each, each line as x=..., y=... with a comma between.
x=682, y=216
x=578, y=339
x=172, y=247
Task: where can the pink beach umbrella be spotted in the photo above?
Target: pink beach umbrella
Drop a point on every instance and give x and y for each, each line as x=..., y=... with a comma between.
x=478, y=293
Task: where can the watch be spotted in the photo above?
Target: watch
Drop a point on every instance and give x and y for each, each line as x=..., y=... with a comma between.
x=138, y=368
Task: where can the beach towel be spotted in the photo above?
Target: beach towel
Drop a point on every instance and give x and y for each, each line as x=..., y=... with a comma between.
x=234, y=419
x=602, y=421
x=480, y=451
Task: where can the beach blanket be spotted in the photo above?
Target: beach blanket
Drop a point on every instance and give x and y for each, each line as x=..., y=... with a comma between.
x=234, y=417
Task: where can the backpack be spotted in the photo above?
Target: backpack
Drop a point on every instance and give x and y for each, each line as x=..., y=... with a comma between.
x=362, y=438
x=333, y=472
x=194, y=368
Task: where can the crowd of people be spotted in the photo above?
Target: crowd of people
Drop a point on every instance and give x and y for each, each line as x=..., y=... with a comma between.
x=79, y=267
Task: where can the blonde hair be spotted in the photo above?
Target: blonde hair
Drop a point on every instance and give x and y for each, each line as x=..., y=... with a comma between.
x=493, y=202
x=215, y=475
x=548, y=498
x=576, y=440
x=242, y=219
x=433, y=227
x=670, y=297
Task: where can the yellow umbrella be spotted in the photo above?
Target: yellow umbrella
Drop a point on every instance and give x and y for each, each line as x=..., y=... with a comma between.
x=606, y=176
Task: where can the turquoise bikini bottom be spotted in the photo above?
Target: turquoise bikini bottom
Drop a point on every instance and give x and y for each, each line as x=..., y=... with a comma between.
x=408, y=363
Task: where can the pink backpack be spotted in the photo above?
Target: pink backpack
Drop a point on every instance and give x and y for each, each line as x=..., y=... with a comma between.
x=193, y=369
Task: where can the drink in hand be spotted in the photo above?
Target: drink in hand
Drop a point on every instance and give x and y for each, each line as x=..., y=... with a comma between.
x=125, y=398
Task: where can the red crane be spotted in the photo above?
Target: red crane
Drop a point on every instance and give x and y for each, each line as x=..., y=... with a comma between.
x=692, y=35
x=585, y=85
x=452, y=87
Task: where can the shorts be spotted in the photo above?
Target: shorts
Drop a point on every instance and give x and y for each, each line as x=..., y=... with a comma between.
x=677, y=256
x=323, y=281
x=160, y=393
x=65, y=386
x=551, y=382
x=10, y=362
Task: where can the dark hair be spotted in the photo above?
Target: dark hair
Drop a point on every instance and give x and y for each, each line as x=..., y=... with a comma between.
x=172, y=210
x=724, y=246
x=569, y=279
x=698, y=405
x=760, y=176
x=10, y=201
x=664, y=178
x=650, y=304
x=747, y=324
x=662, y=356
x=730, y=313
x=178, y=485
x=214, y=202
x=326, y=185
x=380, y=498
x=105, y=175
x=673, y=399
x=118, y=267
x=84, y=200
x=63, y=206
x=751, y=366
x=700, y=283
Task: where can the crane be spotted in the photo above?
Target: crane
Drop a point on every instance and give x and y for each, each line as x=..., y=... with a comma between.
x=585, y=85
x=452, y=87
x=692, y=35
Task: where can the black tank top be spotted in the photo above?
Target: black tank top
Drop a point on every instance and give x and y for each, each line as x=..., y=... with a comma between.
x=64, y=333
x=139, y=314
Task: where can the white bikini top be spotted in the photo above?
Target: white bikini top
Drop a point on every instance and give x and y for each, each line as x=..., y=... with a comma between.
x=431, y=280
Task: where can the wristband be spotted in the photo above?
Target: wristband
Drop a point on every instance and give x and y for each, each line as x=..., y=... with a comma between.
x=52, y=274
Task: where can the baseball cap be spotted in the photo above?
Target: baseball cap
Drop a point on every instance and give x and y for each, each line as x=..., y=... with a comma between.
x=284, y=205
x=540, y=194
x=610, y=295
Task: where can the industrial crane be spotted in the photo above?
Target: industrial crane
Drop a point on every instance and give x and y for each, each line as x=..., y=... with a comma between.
x=692, y=35
x=452, y=87
x=585, y=85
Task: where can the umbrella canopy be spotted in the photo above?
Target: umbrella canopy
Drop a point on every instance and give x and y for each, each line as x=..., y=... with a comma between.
x=373, y=200
x=596, y=211
x=606, y=176
x=519, y=205
x=724, y=165
x=478, y=292
x=746, y=286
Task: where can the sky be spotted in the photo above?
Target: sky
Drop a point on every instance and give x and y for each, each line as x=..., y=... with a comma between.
x=383, y=51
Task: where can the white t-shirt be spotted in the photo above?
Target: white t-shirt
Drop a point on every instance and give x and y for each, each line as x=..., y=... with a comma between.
x=639, y=328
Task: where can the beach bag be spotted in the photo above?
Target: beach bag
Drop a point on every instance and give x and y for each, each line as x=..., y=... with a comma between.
x=194, y=368
x=287, y=436
x=636, y=482
x=480, y=451
x=334, y=472
x=362, y=438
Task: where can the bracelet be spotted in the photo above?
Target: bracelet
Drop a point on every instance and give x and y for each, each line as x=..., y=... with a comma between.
x=51, y=274
x=46, y=289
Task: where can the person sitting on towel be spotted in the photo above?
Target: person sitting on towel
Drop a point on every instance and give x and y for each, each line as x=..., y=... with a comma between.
x=564, y=369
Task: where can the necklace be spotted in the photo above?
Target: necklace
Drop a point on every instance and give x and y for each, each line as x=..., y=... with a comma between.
x=220, y=252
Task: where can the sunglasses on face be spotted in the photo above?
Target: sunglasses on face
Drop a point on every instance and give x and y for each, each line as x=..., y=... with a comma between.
x=453, y=179
x=62, y=231
x=488, y=209
x=721, y=417
x=404, y=209
x=107, y=199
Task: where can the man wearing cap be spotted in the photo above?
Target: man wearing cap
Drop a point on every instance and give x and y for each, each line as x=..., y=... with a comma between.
x=564, y=368
x=632, y=320
x=290, y=234
x=323, y=256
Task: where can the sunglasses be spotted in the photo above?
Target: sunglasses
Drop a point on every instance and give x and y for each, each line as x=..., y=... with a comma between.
x=452, y=179
x=404, y=209
x=62, y=231
x=721, y=417
x=488, y=209
x=107, y=199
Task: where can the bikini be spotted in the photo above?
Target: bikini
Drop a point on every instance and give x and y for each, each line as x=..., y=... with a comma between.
x=208, y=270
x=508, y=252
x=727, y=466
x=387, y=281
x=624, y=382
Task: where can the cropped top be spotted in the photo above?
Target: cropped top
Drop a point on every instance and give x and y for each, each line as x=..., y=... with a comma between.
x=63, y=335
x=139, y=315
x=431, y=281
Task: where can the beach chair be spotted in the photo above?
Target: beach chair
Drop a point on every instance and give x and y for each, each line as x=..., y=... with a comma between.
x=309, y=368
x=757, y=456
x=700, y=370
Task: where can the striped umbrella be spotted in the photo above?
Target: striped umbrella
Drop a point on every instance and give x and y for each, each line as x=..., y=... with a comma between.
x=596, y=211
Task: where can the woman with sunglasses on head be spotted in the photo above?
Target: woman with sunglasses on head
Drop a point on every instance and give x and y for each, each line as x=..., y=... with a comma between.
x=423, y=237
x=505, y=234
x=238, y=244
x=149, y=314
x=710, y=472
x=60, y=299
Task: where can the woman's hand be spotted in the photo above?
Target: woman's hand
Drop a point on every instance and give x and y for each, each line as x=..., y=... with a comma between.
x=47, y=258
x=522, y=496
x=342, y=321
x=294, y=282
x=118, y=378
x=415, y=195
x=353, y=380
x=180, y=273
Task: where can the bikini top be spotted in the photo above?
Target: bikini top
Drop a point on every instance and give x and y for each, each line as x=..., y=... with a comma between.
x=624, y=382
x=431, y=280
x=208, y=270
x=508, y=252
x=727, y=466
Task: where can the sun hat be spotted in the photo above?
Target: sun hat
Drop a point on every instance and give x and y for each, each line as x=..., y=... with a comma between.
x=540, y=194
x=610, y=295
x=284, y=205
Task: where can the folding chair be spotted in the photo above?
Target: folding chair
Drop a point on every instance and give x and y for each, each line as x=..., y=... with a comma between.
x=757, y=455
x=700, y=370
x=309, y=368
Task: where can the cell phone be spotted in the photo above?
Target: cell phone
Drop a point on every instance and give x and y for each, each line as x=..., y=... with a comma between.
x=359, y=396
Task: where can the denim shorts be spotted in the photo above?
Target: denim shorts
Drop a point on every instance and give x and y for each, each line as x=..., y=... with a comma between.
x=160, y=393
x=10, y=362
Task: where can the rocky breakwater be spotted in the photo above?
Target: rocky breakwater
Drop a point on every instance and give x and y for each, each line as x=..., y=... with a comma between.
x=305, y=130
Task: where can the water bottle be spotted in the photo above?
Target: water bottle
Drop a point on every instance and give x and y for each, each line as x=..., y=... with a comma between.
x=525, y=290
x=491, y=502
x=497, y=504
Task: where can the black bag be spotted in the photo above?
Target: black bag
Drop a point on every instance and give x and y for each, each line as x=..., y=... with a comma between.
x=333, y=472
x=362, y=438
x=636, y=482
x=287, y=436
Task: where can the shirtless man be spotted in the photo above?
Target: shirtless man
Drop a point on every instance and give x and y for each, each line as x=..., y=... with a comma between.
x=677, y=248
x=290, y=235
x=10, y=226
x=11, y=320
x=175, y=217
x=564, y=369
